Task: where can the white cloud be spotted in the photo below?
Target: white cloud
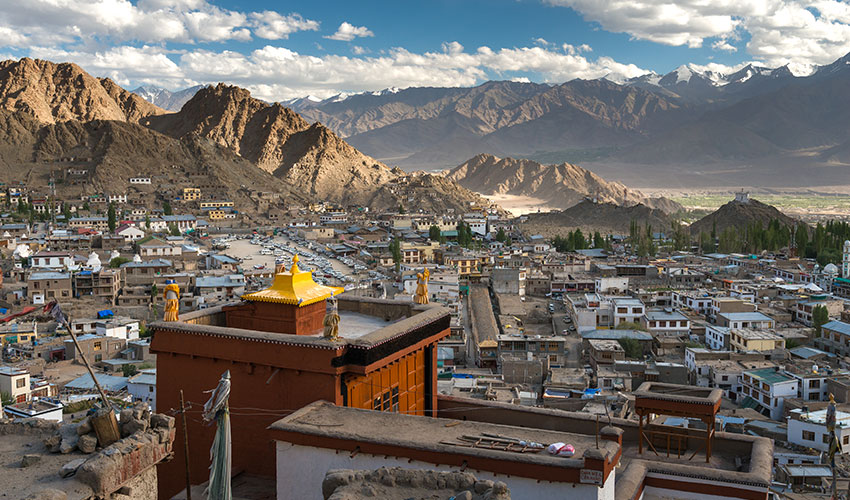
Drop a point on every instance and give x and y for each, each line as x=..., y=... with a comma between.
x=273, y=26
x=802, y=32
x=277, y=73
x=358, y=50
x=54, y=22
x=348, y=32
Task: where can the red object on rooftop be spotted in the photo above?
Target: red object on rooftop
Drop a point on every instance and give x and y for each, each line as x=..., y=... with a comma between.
x=23, y=312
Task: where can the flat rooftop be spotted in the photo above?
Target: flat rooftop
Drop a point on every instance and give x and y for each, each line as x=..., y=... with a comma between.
x=353, y=325
x=325, y=420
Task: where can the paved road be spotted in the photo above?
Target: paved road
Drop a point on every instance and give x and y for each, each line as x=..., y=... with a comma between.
x=573, y=338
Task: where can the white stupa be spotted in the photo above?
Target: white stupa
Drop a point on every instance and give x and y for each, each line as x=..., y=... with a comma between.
x=94, y=262
x=137, y=259
x=22, y=252
x=6, y=235
x=114, y=255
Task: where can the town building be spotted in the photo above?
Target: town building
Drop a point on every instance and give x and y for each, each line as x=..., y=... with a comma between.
x=749, y=339
x=766, y=389
x=142, y=387
x=835, y=338
x=385, y=359
x=52, y=260
x=665, y=322
x=42, y=287
x=15, y=382
x=808, y=429
x=738, y=320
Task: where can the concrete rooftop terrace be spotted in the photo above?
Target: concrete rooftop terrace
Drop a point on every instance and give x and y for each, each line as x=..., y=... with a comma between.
x=364, y=322
x=322, y=420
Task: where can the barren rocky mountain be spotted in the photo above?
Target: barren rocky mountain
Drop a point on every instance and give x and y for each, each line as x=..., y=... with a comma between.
x=755, y=127
x=739, y=215
x=51, y=92
x=607, y=218
x=561, y=186
x=53, y=116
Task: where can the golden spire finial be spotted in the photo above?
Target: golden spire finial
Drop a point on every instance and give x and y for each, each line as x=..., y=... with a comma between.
x=294, y=269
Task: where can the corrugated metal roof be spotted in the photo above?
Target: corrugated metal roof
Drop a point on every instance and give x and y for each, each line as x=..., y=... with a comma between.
x=838, y=326
x=108, y=382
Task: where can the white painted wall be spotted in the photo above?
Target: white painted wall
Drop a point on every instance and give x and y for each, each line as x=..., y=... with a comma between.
x=301, y=469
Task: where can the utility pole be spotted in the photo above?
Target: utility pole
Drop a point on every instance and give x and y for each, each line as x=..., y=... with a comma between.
x=186, y=448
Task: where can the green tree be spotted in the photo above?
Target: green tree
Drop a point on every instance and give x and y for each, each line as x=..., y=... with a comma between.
x=86, y=206
x=153, y=292
x=434, y=233
x=147, y=222
x=166, y=208
x=110, y=215
x=129, y=370
x=820, y=317
x=801, y=238
x=395, y=250
x=632, y=347
x=66, y=210
x=6, y=398
x=401, y=209
x=117, y=261
x=598, y=241
x=500, y=235
x=173, y=229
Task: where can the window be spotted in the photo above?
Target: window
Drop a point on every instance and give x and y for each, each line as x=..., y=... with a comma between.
x=150, y=388
x=825, y=438
x=808, y=436
x=98, y=358
x=607, y=382
x=394, y=393
x=814, y=384
x=97, y=346
x=21, y=382
x=724, y=378
x=845, y=440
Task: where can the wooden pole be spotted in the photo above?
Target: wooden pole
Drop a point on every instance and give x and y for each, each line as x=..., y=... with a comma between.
x=86, y=362
x=186, y=448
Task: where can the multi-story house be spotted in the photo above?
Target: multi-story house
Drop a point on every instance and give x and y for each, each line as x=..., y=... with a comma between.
x=627, y=310
x=52, y=260
x=104, y=284
x=728, y=305
x=16, y=383
x=551, y=348
x=804, y=309
x=736, y=320
x=808, y=429
x=665, y=322
x=43, y=287
x=748, y=339
x=765, y=389
x=717, y=337
x=835, y=338
x=694, y=300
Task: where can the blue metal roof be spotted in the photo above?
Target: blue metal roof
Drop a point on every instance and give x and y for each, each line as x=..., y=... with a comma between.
x=108, y=382
x=615, y=335
x=838, y=326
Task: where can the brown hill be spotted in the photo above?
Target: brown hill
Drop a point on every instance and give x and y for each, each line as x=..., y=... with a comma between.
x=52, y=92
x=561, y=186
x=607, y=218
x=310, y=158
x=52, y=114
x=739, y=215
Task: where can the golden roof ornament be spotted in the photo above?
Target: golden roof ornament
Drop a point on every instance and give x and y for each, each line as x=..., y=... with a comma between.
x=171, y=294
x=331, y=321
x=421, y=296
x=294, y=287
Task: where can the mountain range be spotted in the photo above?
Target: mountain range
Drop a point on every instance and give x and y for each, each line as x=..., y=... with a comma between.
x=689, y=128
x=166, y=99
x=56, y=116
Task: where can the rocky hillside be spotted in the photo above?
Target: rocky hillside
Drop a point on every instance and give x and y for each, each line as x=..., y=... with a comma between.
x=561, y=186
x=739, y=215
x=279, y=141
x=607, y=218
x=51, y=92
x=53, y=114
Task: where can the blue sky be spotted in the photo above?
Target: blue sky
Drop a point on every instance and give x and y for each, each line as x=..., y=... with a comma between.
x=281, y=50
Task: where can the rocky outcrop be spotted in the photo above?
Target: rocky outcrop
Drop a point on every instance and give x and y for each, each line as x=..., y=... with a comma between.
x=51, y=92
x=560, y=186
x=412, y=484
x=607, y=218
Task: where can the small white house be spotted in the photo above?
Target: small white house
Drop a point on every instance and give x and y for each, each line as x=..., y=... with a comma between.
x=119, y=328
x=142, y=387
x=809, y=429
x=130, y=233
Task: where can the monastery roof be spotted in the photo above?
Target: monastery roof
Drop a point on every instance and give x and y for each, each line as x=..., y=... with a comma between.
x=295, y=287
